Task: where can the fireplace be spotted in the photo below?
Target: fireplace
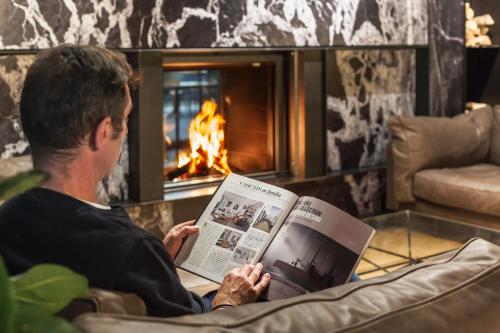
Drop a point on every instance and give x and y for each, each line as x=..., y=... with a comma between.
x=222, y=113
x=259, y=99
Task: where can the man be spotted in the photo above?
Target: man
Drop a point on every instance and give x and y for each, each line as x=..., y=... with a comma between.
x=74, y=108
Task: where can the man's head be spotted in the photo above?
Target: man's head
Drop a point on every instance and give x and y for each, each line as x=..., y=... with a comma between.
x=76, y=96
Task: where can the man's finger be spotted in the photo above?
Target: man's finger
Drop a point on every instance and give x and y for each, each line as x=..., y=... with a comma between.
x=183, y=224
x=185, y=231
x=255, y=274
x=236, y=270
x=264, y=282
x=247, y=269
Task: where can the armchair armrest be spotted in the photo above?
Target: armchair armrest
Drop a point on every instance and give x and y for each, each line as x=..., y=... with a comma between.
x=105, y=301
x=434, y=142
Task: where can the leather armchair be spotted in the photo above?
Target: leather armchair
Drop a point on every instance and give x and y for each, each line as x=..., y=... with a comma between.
x=448, y=167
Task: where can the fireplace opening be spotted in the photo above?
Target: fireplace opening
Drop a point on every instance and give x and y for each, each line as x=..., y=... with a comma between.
x=221, y=113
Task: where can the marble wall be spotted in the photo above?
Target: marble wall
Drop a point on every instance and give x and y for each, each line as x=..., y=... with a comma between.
x=446, y=57
x=366, y=87
x=40, y=24
x=370, y=85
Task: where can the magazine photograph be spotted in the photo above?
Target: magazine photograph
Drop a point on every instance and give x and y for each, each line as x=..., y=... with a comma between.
x=243, y=255
x=303, y=259
x=235, y=211
x=229, y=239
x=267, y=218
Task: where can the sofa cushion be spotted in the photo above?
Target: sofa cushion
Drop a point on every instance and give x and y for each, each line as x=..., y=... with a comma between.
x=436, y=142
x=495, y=137
x=458, y=292
x=475, y=188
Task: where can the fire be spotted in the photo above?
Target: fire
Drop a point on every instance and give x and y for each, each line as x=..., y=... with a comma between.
x=206, y=140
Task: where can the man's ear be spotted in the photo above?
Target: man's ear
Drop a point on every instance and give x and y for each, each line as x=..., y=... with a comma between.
x=102, y=133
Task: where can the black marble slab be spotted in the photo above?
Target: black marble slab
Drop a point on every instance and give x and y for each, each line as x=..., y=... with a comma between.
x=40, y=24
x=360, y=193
x=365, y=88
x=446, y=57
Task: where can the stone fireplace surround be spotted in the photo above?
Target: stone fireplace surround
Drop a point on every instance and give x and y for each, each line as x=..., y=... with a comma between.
x=354, y=45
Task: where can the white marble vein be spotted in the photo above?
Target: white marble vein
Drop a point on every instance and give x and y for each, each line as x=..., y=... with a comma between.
x=18, y=147
x=366, y=193
x=390, y=91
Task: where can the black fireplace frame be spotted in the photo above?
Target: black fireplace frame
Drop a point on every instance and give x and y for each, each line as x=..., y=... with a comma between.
x=146, y=122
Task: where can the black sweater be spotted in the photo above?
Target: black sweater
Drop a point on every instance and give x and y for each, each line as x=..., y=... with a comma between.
x=44, y=226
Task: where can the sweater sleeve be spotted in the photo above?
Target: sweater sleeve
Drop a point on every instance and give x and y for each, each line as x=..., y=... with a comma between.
x=150, y=273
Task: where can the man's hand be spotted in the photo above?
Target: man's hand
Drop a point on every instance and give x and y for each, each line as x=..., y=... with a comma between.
x=173, y=239
x=240, y=286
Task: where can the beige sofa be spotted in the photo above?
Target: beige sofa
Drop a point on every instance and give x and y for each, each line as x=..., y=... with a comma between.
x=447, y=166
x=457, y=292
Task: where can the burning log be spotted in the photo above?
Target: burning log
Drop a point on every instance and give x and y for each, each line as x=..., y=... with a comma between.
x=178, y=172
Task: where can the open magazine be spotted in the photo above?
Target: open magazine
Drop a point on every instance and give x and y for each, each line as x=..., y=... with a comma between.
x=305, y=243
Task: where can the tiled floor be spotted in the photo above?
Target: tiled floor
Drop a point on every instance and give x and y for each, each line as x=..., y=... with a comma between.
x=196, y=283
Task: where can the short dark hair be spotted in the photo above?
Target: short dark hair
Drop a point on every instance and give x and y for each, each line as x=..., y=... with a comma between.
x=67, y=91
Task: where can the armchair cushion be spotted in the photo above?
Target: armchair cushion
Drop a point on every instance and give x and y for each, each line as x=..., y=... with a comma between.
x=436, y=142
x=473, y=188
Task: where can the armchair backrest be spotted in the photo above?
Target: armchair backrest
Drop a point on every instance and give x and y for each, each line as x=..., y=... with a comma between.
x=495, y=137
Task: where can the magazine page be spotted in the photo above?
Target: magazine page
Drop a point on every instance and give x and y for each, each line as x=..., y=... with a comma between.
x=317, y=247
x=238, y=223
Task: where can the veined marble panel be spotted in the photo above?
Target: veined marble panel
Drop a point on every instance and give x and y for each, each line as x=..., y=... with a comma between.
x=114, y=188
x=155, y=217
x=40, y=24
x=12, y=72
x=446, y=57
x=374, y=85
x=358, y=193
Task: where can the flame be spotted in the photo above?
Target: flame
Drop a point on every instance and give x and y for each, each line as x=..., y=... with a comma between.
x=206, y=140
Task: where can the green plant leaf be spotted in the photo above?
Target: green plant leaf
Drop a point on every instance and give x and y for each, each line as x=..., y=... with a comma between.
x=50, y=286
x=45, y=325
x=21, y=182
x=28, y=313
x=8, y=304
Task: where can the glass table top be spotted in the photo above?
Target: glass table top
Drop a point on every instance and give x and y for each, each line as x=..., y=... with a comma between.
x=404, y=238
